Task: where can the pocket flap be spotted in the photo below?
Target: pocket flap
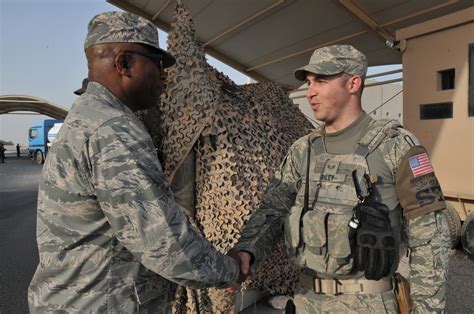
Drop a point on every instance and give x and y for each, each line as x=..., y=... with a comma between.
x=339, y=244
x=292, y=227
x=314, y=230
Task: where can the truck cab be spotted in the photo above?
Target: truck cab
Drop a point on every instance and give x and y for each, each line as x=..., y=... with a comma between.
x=38, y=141
x=53, y=133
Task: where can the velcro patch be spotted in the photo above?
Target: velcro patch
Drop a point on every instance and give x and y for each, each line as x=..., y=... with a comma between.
x=420, y=165
x=417, y=187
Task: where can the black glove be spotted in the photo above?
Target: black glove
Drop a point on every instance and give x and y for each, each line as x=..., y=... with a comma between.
x=374, y=241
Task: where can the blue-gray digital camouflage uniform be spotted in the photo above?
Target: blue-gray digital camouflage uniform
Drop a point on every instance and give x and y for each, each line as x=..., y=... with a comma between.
x=318, y=239
x=110, y=235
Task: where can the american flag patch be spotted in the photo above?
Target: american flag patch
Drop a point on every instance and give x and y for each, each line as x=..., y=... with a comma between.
x=420, y=165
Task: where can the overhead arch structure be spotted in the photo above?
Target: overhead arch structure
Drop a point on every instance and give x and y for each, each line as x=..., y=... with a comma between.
x=11, y=103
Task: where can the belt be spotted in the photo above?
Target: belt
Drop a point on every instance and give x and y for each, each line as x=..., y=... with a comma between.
x=345, y=286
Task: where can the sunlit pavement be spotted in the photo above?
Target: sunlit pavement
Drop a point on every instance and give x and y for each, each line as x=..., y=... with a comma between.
x=19, y=255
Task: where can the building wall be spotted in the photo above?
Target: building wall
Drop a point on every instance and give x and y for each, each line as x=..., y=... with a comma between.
x=383, y=101
x=450, y=142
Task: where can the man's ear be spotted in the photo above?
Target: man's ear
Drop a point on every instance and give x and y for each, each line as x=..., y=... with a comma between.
x=355, y=84
x=122, y=62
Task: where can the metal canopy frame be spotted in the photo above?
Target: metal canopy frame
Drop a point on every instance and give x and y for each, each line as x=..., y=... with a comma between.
x=374, y=22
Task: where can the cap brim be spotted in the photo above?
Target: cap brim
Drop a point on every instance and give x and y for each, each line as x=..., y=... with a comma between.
x=300, y=73
x=168, y=59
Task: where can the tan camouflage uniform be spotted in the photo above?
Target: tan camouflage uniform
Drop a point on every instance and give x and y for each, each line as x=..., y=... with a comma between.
x=110, y=235
x=318, y=239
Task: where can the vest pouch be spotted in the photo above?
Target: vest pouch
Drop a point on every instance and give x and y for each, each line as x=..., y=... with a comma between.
x=292, y=222
x=314, y=239
x=339, y=249
x=292, y=230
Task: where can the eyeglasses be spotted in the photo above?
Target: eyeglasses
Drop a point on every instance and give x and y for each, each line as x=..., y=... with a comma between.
x=156, y=57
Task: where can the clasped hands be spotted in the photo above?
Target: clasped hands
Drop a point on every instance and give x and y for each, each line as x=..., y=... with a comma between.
x=243, y=259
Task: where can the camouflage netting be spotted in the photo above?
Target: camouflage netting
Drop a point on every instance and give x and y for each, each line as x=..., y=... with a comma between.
x=240, y=135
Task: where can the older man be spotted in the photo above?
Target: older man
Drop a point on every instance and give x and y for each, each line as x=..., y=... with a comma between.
x=349, y=196
x=110, y=236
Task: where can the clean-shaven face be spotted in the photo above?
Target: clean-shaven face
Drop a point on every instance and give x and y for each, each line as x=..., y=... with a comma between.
x=327, y=95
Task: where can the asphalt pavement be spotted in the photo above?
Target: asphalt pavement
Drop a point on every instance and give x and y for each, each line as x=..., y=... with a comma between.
x=19, y=254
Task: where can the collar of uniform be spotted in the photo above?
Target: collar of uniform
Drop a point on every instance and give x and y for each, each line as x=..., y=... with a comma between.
x=364, y=118
x=99, y=90
x=317, y=132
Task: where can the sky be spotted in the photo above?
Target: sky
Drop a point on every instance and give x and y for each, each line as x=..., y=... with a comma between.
x=42, y=55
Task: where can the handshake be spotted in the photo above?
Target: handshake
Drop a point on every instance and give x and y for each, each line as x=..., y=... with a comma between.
x=243, y=258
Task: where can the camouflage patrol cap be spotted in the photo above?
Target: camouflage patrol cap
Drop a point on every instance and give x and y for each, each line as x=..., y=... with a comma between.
x=335, y=59
x=124, y=27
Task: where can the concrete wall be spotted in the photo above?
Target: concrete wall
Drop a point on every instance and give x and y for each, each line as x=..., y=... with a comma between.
x=428, y=48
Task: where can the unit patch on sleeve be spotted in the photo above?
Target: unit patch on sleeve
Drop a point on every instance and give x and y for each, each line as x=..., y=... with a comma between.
x=417, y=187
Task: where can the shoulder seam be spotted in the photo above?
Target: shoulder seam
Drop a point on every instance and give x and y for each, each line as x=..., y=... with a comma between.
x=99, y=126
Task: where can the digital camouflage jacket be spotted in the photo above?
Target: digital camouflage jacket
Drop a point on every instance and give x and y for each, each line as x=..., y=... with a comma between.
x=318, y=239
x=110, y=236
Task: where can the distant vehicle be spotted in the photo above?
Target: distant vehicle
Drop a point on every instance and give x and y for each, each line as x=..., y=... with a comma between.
x=53, y=133
x=40, y=137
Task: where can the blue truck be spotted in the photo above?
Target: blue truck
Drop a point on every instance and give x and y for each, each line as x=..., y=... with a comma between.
x=40, y=137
